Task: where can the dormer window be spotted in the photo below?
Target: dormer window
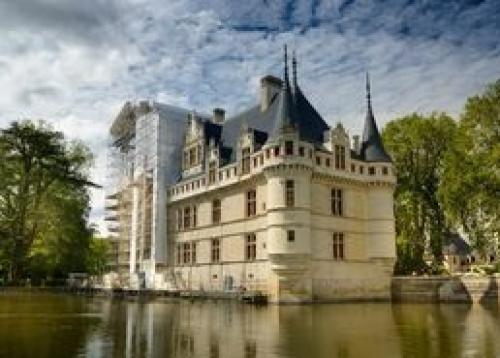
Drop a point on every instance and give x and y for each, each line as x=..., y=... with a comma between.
x=339, y=157
x=212, y=168
x=245, y=160
x=192, y=157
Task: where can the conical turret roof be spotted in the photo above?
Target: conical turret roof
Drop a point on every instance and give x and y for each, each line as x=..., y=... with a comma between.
x=372, y=149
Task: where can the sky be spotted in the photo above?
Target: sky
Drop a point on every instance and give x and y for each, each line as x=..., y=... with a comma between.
x=75, y=63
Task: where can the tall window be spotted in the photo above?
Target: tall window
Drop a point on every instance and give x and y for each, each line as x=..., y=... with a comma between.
x=216, y=211
x=212, y=166
x=186, y=253
x=195, y=216
x=290, y=193
x=245, y=160
x=290, y=235
x=337, y=204
x=193, y=252
x=250, y=247
x=338, y=246
x=187, y=217
x=339, y=157
x=251, y=209
x=288, y=147
x=215, y=250
x=179, y=219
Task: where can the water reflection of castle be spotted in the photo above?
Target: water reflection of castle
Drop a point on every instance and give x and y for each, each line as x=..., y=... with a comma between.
x=222, y=329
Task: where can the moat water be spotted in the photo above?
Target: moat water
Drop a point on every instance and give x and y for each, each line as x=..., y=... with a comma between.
x=60, y=325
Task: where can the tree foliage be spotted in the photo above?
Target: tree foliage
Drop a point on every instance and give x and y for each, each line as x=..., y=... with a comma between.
x=470, y=188
x=418, y=145
x=44, y=203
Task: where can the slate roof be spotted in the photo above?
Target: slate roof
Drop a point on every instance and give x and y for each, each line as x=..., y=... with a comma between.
x=290, y=109
x=454, y=244
x=372, y=149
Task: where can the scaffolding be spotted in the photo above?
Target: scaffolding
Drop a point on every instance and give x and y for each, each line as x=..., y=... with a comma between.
x=143, y=159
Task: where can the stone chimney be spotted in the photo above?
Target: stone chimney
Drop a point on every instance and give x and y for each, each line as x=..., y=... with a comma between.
x=355, y=144
x=219, y=115
x=269, y=87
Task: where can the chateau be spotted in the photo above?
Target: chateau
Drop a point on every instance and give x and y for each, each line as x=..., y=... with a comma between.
x=271, y=200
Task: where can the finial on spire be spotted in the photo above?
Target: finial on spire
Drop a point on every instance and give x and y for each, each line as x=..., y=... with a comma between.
x=285, y=59
x=368, y=90
x=294, y=67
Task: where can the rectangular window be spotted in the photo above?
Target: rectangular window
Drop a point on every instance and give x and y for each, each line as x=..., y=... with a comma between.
x=290, y=235
x=276, y=151
x=216, y=211
x=251, y=207
x=301, y=151
x=255, y=163
x=288, y=147
x=361, y=169
x=250, y=247
x=371, y=170
x=290, y=193
x=193, y=253
x=187, y=217
x=338, y=246
x=215, y=250
x=327, y=162
x=385, y=171
x=211, y=172
x=186, y=253
x=318, y=161
x=195, y=216
x=336, y=201
x=268, y=153
x=353, y=168
x=261, y=159
x=245, y=160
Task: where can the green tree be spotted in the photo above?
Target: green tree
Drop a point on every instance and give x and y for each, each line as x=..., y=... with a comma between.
x=97, y=259
x=470, y=189
x=417, y=145
x=36, y=163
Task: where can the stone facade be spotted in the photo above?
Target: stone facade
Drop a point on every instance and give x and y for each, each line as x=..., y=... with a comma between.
x=303, y=269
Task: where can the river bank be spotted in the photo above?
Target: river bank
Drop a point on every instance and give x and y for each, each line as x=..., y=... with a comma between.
x=428, y=289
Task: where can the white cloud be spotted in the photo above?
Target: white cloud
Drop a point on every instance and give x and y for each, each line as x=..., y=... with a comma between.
x=76, y=64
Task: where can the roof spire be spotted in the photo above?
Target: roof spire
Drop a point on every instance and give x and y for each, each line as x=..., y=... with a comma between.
x=294, y=68
x=285, y=59
x=372, y=149
x=368, y=92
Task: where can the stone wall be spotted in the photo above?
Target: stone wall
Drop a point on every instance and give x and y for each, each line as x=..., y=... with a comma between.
x=446, y=289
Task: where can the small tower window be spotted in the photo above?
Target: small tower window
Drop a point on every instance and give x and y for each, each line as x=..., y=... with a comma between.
x=288, y=147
